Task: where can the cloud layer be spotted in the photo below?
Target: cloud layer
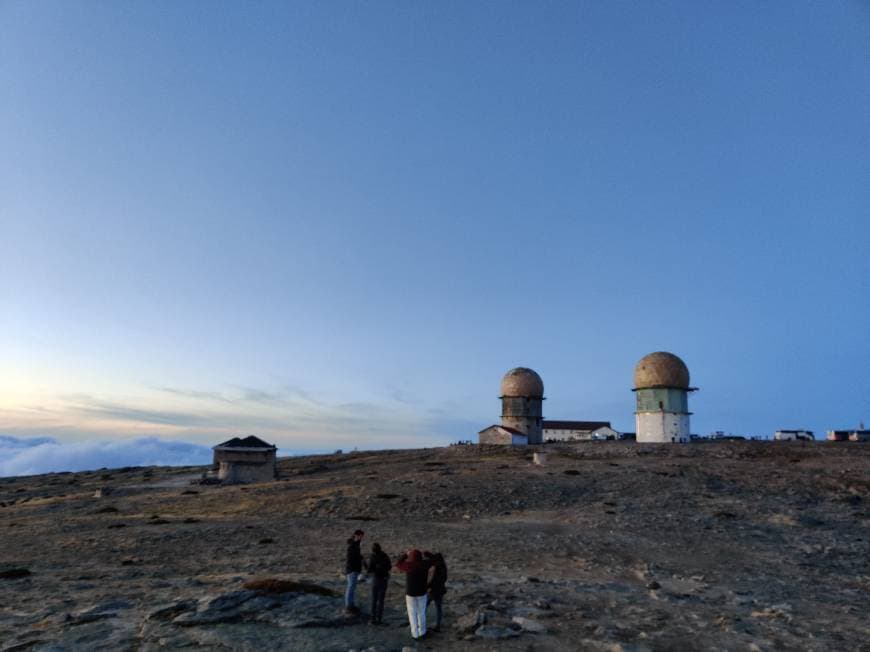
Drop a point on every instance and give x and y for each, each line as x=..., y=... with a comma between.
x=285, y=415
x=31, y=456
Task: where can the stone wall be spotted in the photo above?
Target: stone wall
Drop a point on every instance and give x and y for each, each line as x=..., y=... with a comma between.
x=520, y=406
x=245, y=472
x=251, y=456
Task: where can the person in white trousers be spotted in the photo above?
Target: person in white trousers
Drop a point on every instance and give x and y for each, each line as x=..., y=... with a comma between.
x=416, y=571
x=416, y=614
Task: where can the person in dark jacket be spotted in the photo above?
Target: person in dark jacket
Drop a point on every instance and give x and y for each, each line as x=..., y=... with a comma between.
x=352, y=568
x=437, y=586
x=379, y=566
x=416, y=569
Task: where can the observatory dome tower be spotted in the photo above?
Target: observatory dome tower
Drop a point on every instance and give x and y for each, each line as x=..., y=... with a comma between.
x=661, y=385
x=522, y=394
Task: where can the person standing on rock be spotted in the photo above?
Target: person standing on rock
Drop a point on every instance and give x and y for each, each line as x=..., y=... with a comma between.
x=416, y=570
x=352, y=569
x=437, y=586
x=379, y=566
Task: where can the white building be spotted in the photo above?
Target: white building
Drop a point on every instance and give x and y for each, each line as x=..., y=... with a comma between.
x=794, y=435
x=578, y=430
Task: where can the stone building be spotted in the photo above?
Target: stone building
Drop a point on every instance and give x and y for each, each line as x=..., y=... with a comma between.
x=501, y=435
x=661, y=386
x=522, y=396
x=245, y=460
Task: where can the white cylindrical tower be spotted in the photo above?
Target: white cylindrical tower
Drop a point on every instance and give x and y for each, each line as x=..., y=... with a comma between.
x=661, y=386
x=522, y=395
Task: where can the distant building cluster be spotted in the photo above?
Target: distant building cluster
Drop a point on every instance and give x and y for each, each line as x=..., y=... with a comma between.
x=858, y=434
x=849, y=435
x=661, y=388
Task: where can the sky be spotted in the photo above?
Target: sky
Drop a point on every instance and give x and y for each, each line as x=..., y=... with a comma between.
x=337, y=224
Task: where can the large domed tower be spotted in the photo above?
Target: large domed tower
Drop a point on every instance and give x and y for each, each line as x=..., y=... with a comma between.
x=661, y=385
x=522, y=394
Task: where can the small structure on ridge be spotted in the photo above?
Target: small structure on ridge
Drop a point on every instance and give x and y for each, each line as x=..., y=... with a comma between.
x=245, y=460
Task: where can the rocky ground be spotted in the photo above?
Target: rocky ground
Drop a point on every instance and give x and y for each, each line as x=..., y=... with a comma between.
x=610, y=546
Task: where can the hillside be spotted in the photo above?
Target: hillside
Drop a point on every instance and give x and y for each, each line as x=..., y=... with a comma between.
x=610, y=546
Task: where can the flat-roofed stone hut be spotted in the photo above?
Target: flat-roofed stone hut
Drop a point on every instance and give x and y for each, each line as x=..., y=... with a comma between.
x=245, y=460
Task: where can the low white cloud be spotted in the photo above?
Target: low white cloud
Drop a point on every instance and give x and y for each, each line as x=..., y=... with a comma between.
x=35, y=455
x=173, y=425
x=286, y=416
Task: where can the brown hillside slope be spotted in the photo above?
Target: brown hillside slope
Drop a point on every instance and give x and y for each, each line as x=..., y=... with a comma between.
x=733, y=545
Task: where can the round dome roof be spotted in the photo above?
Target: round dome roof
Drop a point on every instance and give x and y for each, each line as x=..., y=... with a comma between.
x=522, y=382
x=661, y=369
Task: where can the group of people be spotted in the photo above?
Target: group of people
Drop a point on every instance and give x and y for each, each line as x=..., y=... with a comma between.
x=425, y=582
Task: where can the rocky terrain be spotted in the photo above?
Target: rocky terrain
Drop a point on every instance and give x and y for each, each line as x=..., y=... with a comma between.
x=609, y=546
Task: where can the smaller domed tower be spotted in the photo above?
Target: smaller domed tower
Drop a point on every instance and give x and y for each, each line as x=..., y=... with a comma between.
x=661, y=386
x=522, y=395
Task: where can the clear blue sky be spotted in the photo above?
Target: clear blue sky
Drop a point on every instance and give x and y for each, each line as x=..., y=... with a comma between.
x=339, y=223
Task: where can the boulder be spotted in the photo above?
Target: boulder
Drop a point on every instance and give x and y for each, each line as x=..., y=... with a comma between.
x=529, y=625
x=101, y=611
x=495, y=633
x=228, y=608
x=470, y=622
x=170, y=611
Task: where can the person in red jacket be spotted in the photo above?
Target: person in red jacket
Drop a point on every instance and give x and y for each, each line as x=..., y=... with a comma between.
x=416, y=570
